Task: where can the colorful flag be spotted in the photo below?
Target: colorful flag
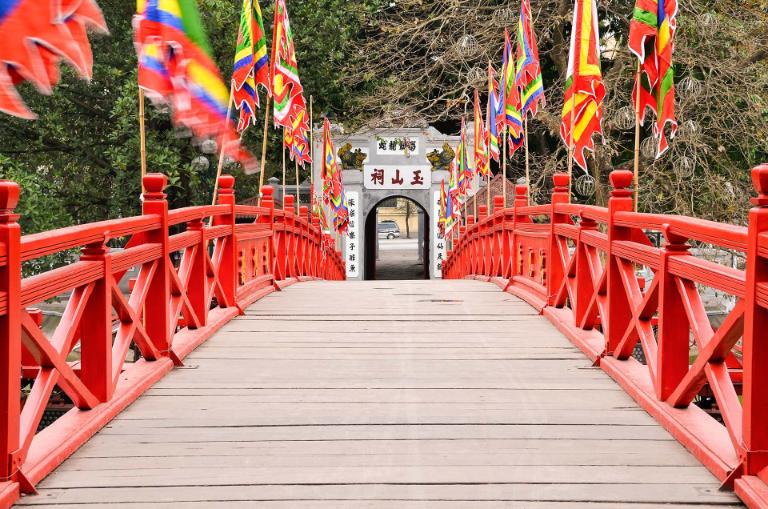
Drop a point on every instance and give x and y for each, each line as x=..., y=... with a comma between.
x=286, y=86
x=584, y=89
x=651, y=39
x=251, y=63
x=198, y=97
x=465, y=170
x=528, y=78
x=492, y=127
x=333, y=186
x=296, y=138
x=482, y=162
x=444, y=218
x=452, y=196
x=37, y=36
x=513, y=119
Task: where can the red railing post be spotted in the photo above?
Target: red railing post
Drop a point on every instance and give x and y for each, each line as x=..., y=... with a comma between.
x=304, y=238
x=673, y=355
x=560, y=194
x=505, y=240
x=10, y=330
x=755, y=340
x=619, y=313
x=96, y=327
x=472, y=236
x=157, y=312
x=483, y=242
x=584, y=286
x=228, y=269
x=197, y=286
x=317, y=237
x=268, y=202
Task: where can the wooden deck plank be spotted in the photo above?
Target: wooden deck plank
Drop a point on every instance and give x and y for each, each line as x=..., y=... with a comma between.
x=388, y=394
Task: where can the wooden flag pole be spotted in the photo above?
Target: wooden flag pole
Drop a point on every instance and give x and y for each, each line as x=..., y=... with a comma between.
x=282, y=144
x=264, y=148
x=488, y=187
x=312, y=142
x=527, y=164
x=298, y=197
x=143, y=135
x=571, y=145
x=637, y=136
x=220, y=167
x=504, y=165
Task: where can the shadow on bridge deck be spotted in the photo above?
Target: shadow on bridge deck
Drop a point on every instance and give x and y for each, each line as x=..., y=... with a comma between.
x=442, y=394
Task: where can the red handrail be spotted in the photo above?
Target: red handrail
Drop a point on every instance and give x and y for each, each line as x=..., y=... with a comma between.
x=188, y=284
x=581, y=269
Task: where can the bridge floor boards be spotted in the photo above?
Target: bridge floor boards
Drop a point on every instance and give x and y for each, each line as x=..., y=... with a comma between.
x=441, y=394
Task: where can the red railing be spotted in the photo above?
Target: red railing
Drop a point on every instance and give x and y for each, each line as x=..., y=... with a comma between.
x=595, y=274
x=196, y=269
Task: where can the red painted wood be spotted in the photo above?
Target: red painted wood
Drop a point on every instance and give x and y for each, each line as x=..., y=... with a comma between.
x=167, y=313
x=595, y=295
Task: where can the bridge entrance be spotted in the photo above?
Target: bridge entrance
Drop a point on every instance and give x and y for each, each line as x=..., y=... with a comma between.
x=397, y=233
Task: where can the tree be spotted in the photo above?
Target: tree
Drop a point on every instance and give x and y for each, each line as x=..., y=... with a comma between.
x=85, y=145
x=433, y=53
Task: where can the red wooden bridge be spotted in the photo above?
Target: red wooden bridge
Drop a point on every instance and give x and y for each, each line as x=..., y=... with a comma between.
x=516, y=382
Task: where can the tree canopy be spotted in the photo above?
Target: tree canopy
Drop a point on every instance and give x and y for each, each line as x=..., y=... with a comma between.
x=406, y=62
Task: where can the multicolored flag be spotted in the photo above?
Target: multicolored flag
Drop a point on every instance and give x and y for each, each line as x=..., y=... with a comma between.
x=453, y=196
x=492, y=127
x=465, y=171
x=251, y=63
x=37, y=36
x=512, y=118
x=286, y=86
x=443, y=217
x=333, y=186
x=482, y=161
x=169, y=35
x=528, y=78
x=651, y=39
x=296, y=138
x=584, y=89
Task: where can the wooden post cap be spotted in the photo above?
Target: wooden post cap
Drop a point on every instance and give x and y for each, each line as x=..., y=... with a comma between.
x=226, y=184
x=521, y=190
x=622, y=179
x=289, y=201
x=760, y=181
x=9, y=196
x=561, y=182
x=155, y=183
x=498, y=202
x=268, y=191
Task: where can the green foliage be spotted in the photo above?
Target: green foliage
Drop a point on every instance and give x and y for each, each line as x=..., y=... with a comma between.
x=79, y=161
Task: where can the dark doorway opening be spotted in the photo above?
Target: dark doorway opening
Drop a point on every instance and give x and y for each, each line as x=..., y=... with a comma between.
x=397, y=240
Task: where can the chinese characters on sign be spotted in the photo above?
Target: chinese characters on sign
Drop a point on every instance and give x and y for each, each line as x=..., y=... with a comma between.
x=439, y=247
x=397, y=177
x=353, y=235
x=396, y=146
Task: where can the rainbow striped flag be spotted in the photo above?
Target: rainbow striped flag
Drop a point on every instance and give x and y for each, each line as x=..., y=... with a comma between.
x=512, y=118
x=333, y=185
x=198, y=96
x=296, y=138
x=466, y=172
x=584, y=89
x=492, y=127
x=251, y=63
x=482, y=161
x=528, y=78
x=286, y=85
x=37, y=36
x=651, y=39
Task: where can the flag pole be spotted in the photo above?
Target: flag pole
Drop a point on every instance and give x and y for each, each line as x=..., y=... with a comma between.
x=504, y=170
x=264, y=147
x=143, y=135
x=637, y=135
x=298, y=197
x=220, y=167
x=488, y=187
x=312, y=143
x=527, y=164
x=571, y=145
x=282, y=144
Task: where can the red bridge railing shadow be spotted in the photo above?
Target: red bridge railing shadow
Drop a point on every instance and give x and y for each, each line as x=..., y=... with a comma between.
x=596, y=274
x=197, y=268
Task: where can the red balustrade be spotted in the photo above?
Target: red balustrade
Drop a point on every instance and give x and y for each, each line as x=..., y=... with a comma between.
x=597, y=276
x=197, y=268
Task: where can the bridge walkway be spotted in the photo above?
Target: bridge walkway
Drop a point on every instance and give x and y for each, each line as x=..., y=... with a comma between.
x=428, y=394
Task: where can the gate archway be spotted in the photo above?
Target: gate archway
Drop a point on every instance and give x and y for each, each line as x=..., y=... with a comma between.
x=397, y=258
